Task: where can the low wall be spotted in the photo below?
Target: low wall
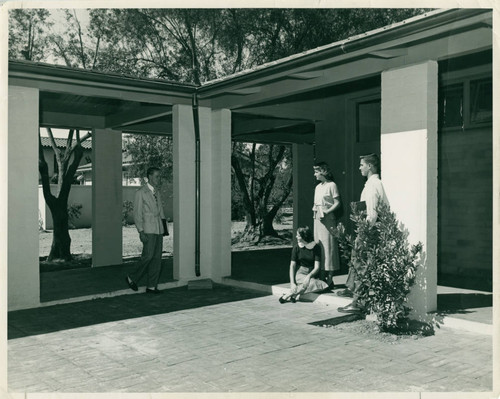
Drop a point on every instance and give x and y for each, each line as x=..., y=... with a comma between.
x=83, y=195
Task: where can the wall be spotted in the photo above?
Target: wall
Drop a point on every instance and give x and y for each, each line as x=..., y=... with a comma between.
x=22, y=247
x=83, y=195
x=465, y=208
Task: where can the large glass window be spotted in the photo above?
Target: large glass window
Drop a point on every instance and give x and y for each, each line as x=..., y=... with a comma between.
x=451, y=106
x=481, y=100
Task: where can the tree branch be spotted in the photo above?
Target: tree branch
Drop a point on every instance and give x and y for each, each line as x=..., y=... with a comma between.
x=240, y=177
x=44, y=173
x=57, y=153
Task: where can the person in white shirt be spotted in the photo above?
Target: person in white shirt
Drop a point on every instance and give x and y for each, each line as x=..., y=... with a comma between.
x=373, y=193
x=148, y=215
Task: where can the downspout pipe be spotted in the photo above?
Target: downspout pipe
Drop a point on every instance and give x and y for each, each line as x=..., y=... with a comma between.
x=196, y=120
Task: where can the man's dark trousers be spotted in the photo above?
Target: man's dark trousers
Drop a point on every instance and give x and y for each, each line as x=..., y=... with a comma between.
x=150, y=260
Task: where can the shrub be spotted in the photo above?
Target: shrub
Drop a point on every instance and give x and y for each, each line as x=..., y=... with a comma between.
x=390, y=265
x=74, y=212
x=128, y=207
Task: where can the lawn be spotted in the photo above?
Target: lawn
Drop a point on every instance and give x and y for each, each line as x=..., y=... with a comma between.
x=81, y=241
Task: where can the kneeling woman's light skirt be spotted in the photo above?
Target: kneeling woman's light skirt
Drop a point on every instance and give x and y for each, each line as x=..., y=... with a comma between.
x=314, y=285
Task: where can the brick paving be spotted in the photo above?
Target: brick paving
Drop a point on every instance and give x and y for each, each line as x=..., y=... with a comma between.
x=227, y=340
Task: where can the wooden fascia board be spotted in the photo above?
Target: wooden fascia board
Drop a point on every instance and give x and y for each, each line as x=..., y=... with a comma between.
x=94, y=89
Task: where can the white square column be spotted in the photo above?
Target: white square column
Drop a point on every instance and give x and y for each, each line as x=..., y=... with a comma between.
x=22, y=195
x=215, y=195
x=184, y=192
x=409, y=166
x=303, y=185
x=107, y=204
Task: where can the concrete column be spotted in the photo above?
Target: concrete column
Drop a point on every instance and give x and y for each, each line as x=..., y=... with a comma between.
x=22, y=195
x=215, y=141
x=409, y=166
x=303, y=185
x=184, y=192
x=107, y=236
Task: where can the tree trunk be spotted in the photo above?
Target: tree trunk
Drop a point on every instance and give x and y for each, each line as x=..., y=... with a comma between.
x=61, y=241
x=267, y=225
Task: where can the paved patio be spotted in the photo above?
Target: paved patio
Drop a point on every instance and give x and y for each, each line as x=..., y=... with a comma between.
x=228, y=340
x=93, y=334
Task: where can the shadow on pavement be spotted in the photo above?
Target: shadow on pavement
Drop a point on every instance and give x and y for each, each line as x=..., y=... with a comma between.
x=262, y=266
x=71, y=283
x=456, y=302
x=48, y=319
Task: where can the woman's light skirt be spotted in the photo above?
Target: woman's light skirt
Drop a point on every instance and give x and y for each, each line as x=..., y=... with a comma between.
x=324, y=231
x=314, y=285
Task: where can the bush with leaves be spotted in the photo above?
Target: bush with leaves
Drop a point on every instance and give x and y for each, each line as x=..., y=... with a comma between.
x=390, y=265
x=128, y=207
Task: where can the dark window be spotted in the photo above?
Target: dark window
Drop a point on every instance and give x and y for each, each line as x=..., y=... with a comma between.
x=481, y=100
x=368, y=121
x=451, y=106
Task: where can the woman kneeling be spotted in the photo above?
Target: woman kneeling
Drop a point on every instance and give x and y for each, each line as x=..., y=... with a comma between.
x=306, y=254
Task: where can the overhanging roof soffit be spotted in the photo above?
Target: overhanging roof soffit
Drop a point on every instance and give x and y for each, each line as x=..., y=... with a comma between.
x=241, y=127
x=160, y=127
x=306, y=75
x=137, y=115
x=244, y=91
x=389, y=53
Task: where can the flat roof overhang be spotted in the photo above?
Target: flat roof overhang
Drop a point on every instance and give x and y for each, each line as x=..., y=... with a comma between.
x=276, y=102
x=71, y=97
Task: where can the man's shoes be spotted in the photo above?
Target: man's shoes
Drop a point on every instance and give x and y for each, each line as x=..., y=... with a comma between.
x=350, y=309
x=347, y=293
x=131, y=284
x=153, y=291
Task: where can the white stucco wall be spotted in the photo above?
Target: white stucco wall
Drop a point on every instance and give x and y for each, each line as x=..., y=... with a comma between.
x=215, y=140
x=107, y=238
x=409, y=166
x=22, y=226
x=184, y=192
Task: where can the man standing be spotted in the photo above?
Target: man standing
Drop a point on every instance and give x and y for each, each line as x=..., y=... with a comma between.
x=148, y=216
x=372, y=194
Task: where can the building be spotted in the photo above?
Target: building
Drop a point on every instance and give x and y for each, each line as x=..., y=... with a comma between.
x=417, y=92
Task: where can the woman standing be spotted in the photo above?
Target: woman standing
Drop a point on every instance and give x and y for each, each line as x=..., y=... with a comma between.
x=306, y=254
x=326, y=200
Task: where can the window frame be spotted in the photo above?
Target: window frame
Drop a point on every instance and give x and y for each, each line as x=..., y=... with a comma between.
x=464, y=77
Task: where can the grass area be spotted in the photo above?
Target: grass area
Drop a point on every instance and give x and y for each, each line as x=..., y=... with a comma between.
x=81, y=244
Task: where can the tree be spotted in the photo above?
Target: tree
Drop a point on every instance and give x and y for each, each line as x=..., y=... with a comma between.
x=28, y=38
x=67, y=163
x=197, y=45
x=148, y=150
x=264, y=177
x=78, y=46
